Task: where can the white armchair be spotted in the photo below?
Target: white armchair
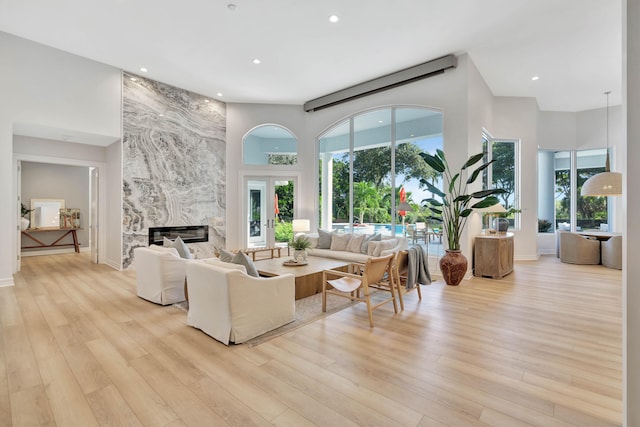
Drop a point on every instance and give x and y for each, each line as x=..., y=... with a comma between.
x=577, y=249
x=231, y=306
x=160, y=274
x=612, y=252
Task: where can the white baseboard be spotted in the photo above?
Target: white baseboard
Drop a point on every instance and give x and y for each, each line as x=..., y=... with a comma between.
x=113, y=264
x=535, y=257
x=6, y=282
x=52, y=251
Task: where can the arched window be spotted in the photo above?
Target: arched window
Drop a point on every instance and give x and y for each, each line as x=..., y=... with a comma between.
x=367, y=159
x=270, y=144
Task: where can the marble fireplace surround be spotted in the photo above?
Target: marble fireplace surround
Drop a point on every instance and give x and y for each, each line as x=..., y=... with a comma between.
x=174, y=149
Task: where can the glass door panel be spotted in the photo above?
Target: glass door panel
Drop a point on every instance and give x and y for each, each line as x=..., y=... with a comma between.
x=270, y=210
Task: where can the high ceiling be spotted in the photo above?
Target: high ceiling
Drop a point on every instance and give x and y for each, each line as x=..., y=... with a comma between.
x=207, y=46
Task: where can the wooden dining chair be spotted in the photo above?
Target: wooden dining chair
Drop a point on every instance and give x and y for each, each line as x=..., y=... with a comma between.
x=376, y=273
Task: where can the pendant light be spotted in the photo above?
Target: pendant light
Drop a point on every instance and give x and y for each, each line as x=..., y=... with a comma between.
x=606, y=183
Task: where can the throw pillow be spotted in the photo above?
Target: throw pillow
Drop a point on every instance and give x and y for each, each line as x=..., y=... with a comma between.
x=385, y=245
x=355, y=243
x=371, y=249
x=313, y=240
x=339, y=242
x=241, y=259
x=225, y=256
x=324, y=239
x=179, y=245
x=364, y=249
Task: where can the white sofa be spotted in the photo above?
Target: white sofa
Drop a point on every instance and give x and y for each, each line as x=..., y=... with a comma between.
x=231, y=306
x=345, y=248
x=160, y=274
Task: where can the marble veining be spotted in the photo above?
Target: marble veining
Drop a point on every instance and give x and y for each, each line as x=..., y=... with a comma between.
x=174, y=145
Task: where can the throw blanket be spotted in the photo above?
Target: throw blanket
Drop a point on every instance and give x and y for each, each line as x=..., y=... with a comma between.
x=418, y=271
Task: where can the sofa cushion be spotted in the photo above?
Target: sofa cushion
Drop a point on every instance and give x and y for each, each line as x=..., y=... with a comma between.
x=219, y=263
x=324, y=239
x=339, y=255
x=364, y=249
x=340, y=241
x=179, y=245
x=355, y=243
x=376, y=248
x=225, y=256
x=242, y=259
x=313, y=240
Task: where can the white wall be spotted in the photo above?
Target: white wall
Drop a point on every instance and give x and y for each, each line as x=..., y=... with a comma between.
x=48, y=87
x=517, y=118
x=113, y=220
x=631, y=248
x=54, y=148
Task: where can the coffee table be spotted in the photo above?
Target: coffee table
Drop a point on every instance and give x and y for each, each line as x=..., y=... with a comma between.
x=308, y=277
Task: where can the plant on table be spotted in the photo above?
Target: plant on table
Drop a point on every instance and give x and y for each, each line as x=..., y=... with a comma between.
x=24, y=211
x=300, y=244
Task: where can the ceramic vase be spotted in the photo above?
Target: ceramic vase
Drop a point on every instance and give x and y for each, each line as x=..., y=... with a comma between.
x=453, y=266
x=300, y=255
x=501, y=225
x=24, y=223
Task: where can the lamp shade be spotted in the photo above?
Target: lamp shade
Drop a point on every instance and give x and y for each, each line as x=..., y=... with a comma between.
x=301, y=225
x=603, y=184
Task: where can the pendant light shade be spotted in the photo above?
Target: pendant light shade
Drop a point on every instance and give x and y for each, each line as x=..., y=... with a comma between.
x=606, y=183
x=603, y=184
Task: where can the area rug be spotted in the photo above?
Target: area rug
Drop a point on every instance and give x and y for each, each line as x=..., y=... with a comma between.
x=308, y=310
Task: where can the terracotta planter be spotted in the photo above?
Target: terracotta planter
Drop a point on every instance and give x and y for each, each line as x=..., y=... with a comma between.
x=453, y=266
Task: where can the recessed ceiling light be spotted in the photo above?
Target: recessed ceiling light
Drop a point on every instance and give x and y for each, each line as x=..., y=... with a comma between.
x=144, y=70
x=206, y=100
x=333, y=19
x=256, y=61
x=133, y=79
x=160, y=115
x=219, y=94
x=534, y=78
x=379, y=121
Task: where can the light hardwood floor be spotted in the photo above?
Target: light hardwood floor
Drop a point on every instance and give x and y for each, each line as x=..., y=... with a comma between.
x=540, y=347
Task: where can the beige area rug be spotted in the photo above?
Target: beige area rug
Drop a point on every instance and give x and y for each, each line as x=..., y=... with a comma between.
x=307, y=310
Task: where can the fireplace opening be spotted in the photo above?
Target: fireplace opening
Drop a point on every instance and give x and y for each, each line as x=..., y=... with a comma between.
x=188, y=234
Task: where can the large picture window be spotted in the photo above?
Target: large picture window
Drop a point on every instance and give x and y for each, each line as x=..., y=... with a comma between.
x=503, y=173
x=365, y=161
x=561, y=175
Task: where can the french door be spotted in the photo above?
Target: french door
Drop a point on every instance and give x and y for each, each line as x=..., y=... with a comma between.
x=269, y=208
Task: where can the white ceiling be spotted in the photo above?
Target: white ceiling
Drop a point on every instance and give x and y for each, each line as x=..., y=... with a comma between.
x=574, y=46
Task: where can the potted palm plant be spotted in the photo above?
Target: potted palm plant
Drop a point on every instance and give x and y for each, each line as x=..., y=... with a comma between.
x=455, y=206
x=300, y=244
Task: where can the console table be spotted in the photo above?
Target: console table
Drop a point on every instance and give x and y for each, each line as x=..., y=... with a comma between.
x=40, y=244
x=493, y=255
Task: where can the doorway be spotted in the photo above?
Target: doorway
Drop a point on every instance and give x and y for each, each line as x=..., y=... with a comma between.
x=269, y=204
x=53, y=173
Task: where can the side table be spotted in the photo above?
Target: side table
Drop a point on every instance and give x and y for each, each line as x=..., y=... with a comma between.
x=493, y=255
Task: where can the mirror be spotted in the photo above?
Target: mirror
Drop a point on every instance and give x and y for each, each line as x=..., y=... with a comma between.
x=46, y=213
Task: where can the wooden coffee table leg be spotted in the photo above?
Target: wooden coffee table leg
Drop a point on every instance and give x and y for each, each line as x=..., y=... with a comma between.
x=186, y=292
